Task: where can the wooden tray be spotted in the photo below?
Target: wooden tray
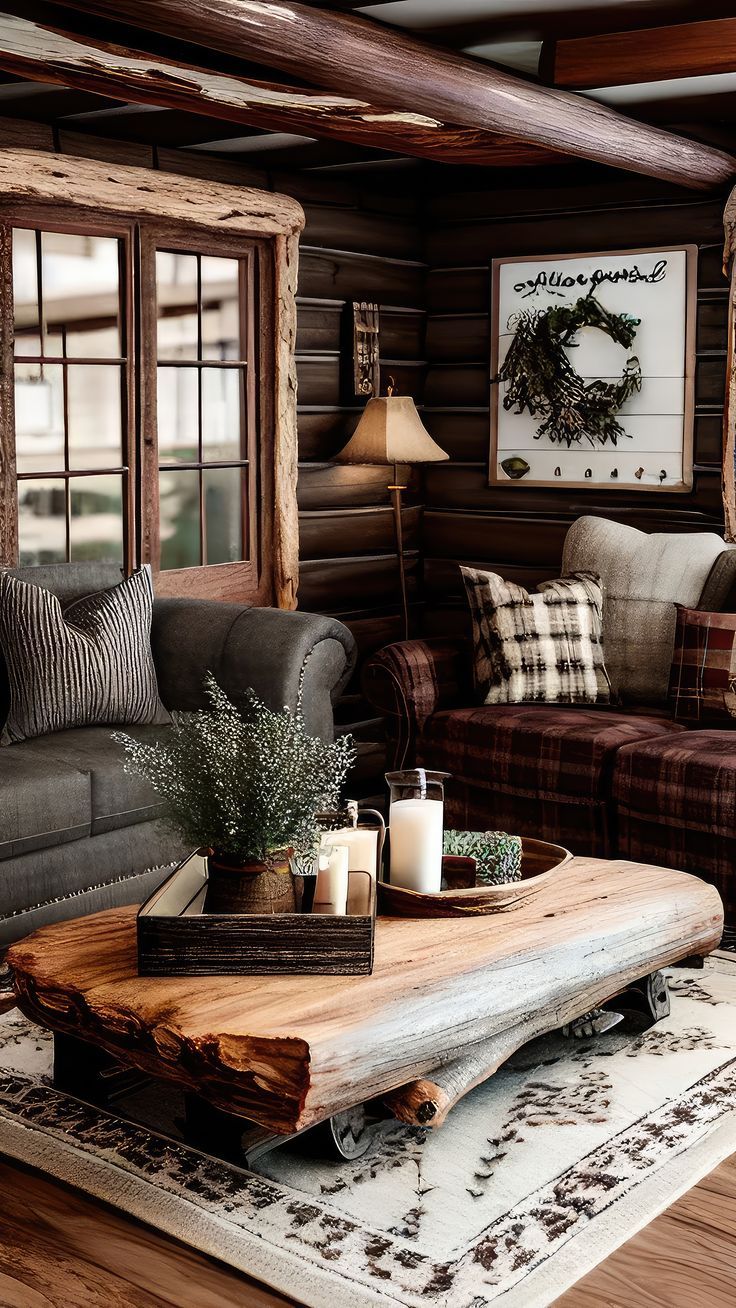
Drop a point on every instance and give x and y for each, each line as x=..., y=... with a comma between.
x=539, y=863
x=176, y=938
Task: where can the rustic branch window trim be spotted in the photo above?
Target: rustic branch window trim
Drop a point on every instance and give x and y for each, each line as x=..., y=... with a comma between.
x=205, y=217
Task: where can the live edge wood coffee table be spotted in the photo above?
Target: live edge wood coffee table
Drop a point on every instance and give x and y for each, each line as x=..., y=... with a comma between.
x=449, y=1000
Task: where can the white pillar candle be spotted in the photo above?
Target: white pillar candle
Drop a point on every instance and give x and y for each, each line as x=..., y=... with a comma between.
x=362, y=845
x=415, y=827
x=331, y=894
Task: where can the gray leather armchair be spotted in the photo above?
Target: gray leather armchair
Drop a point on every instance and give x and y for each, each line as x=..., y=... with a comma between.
x=77, y=834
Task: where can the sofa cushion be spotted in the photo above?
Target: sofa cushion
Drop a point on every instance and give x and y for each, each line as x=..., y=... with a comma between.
x=676, y=806
x=703, y=676
x=537, y=771
x=117, y=799
x=543, y=647
x=91, y=663
x=118, y=867
x=43, y=802
x=644, y=578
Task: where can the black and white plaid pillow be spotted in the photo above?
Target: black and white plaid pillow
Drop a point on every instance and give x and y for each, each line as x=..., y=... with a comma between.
x=544, y=647
x=88, y=665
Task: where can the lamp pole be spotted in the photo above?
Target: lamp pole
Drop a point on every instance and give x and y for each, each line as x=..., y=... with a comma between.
x=396, y=491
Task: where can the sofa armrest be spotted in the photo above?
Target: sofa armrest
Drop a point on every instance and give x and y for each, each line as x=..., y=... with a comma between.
x=271, y=651
x=411, y=680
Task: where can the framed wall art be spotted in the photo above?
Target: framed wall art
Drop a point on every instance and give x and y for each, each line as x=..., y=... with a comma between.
x=593, y=370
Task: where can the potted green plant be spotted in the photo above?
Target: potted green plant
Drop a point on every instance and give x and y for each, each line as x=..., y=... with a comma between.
x=246, y=782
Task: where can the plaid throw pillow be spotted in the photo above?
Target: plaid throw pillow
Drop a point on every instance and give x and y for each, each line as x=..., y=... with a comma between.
x=544, y=647
x=703, y=675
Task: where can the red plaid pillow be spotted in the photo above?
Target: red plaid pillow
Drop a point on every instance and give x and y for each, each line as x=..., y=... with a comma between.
x=703, y=673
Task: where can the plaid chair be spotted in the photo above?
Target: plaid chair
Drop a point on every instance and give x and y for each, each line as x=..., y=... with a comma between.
x=541, y=771
x=675, y=800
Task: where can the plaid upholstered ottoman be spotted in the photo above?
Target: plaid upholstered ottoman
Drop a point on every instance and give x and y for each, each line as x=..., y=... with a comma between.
x=675, y=799
x=538, y=770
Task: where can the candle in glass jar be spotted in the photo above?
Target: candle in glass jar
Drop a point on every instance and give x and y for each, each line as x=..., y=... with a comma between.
x=415, y=827
x=331, y=894
x=362, y=846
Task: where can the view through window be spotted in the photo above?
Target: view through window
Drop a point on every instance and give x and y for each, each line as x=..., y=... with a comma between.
x=81, y=354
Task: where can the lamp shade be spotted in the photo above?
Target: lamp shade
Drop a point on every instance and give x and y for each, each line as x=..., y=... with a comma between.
x=391, y=431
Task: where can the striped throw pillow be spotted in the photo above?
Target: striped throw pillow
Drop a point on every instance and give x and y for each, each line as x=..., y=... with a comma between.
x=703, y=675
x=544, y=647
x=84, y=666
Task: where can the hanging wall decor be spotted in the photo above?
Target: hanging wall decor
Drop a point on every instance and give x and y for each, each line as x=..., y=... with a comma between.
x=592, y=370
x=366, y=348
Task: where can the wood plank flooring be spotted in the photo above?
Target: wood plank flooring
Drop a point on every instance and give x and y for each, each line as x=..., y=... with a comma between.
x=59, y=1249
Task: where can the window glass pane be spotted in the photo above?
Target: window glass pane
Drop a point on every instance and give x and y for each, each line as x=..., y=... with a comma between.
x=42, y=521
x=178, y=414
x=179, y=517
x=223, y=514
x=39, y=417
x=80, y=287
x=25, y=292
x=95, y=419
x=221, y=414
x=221, y=309
x=96, y=530
x=92, y=341
x=177, y=300
x=177, y=337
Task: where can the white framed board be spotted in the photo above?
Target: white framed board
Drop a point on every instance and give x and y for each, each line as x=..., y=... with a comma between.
x=657, y=286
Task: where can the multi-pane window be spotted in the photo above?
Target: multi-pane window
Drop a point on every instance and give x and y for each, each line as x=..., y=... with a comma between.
x=137, y=372
x=71, y=403
x=202, y=398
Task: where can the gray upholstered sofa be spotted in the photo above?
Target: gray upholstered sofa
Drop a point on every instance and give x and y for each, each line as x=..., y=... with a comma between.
x=76, y=833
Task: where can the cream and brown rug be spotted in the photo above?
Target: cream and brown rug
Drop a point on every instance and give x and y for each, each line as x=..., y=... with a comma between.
x=535, y=1177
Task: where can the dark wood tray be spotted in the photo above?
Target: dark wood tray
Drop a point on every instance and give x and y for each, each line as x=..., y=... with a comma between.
x=176, y=938
x=540, y=861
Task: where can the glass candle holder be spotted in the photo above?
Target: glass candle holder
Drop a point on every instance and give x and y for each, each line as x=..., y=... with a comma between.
x=363, y=831
x=416, y=820
x=331, y=894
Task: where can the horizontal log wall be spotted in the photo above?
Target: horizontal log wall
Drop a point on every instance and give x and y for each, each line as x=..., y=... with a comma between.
x=358, y=244
x=519, y=530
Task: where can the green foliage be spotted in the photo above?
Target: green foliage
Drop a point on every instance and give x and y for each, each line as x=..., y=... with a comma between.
x=497, y=855
x=244, y=781
x=543, y=382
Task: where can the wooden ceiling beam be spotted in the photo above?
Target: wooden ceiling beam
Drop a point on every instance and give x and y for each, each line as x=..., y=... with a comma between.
x=356, y=56
x=653, y=54
x=45, y=52
x=536, y=22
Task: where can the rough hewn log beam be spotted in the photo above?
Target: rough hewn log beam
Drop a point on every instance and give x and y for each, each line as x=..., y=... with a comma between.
x=652, y=55
x=356, y=56
x=42, y=51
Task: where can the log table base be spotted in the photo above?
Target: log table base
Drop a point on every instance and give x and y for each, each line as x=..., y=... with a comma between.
x=449, y=1000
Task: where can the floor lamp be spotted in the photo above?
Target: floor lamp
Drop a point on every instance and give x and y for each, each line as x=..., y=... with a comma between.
x=390, y=432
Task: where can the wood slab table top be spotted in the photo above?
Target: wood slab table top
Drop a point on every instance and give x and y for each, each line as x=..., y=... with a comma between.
x=289, y=1051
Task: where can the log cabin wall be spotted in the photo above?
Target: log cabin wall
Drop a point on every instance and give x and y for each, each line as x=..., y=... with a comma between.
x=516, y=530
x=360, y=243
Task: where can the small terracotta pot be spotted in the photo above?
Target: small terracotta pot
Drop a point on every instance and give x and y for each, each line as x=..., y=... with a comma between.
x=252, y=887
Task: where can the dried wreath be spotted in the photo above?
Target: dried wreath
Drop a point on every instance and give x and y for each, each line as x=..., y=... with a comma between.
x=542, y=380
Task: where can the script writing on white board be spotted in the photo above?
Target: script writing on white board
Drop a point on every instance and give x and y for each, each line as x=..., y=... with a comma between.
x=645, y=297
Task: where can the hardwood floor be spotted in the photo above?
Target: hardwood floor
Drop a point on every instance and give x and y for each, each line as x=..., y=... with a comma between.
x=59, y=1249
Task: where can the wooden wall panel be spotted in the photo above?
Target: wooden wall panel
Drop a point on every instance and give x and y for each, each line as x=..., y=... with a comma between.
x=358, y=245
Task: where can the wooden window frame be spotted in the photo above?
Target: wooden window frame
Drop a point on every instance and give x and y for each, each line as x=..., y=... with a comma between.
x=52, y=191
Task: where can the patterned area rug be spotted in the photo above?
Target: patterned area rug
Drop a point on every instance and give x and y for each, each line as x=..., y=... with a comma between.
x=535, y=1177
